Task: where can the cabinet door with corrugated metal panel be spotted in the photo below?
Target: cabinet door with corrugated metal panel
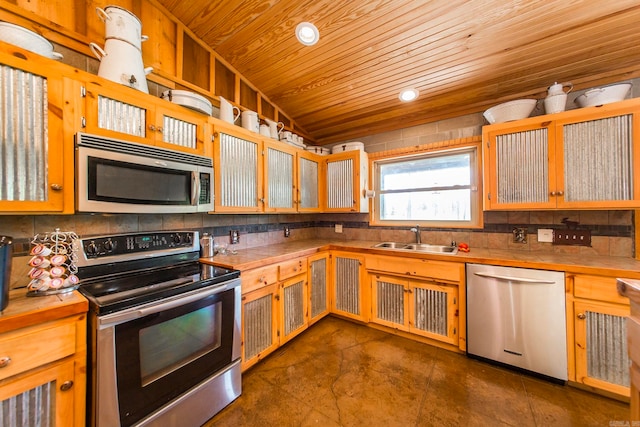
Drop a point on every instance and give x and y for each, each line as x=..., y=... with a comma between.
x=238, y=164
x=599, y=157
x=350, y=296
x=310, y=182
x=389, y=301
x=318, y=273
x=433, y=310
x=279, y=177
x=518, y=166
x=34, y=142
x=602, y=359
x=293, y=307
x=347, y=175
x=259, y=324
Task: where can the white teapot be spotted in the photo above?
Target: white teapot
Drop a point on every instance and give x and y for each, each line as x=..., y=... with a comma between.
x=556, y=100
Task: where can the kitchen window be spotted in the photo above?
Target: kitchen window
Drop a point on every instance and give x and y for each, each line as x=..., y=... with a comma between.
x=432, y=189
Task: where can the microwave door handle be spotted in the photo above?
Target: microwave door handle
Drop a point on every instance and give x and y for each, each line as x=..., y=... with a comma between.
x=195, y=188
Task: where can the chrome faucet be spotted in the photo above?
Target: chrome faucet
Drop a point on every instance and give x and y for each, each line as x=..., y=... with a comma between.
x=416, y=230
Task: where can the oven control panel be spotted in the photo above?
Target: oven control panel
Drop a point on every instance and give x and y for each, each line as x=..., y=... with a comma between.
x=139, y=244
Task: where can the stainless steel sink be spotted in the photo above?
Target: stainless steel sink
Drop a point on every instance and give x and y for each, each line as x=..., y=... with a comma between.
x=419, y=247
x=390, y=245
x=424, y=247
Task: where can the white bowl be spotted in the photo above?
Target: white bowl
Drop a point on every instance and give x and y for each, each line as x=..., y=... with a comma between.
x=603, y=95
x=188, y=99
x=512, y=110
x=27, y=39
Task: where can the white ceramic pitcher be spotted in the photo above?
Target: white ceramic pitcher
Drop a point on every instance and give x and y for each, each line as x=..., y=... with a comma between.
x=274, y=128
x=250, y=121
x=228, y=111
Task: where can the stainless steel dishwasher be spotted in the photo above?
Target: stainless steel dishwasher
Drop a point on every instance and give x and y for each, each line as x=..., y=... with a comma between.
x=516, y=316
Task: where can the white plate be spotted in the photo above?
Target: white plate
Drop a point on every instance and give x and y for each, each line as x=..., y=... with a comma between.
x=27, y=39
x=188, y=99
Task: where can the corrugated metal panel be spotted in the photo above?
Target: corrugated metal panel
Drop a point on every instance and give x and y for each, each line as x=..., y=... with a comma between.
x=121, y=117
x=340, y=184
x=318, y=286
x=390, y=302
x=522, y=167
x=309, y=183
x=293, y=300
x=590, y=145
x=280, y=175
x=33, y=408
x=238, y=172
x=179, y=132
x=607, y=357
x=257, y=325
x=24, y=146
x=430, y=307
x=348, y=285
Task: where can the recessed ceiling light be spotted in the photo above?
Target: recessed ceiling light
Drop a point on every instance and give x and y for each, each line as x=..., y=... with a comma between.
x=307, y=33
x=407, y=95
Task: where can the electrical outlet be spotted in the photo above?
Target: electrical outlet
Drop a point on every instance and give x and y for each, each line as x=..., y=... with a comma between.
x=338, y=228
x=234, y=237
x=545, y=235
x=520, y=235
x=287, y=232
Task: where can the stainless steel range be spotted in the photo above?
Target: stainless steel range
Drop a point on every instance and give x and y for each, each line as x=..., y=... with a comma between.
x=164, y=330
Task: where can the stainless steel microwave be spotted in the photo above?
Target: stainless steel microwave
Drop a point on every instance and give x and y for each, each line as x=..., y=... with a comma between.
x=114, y=176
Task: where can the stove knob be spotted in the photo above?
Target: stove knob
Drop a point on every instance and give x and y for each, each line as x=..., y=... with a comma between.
x=188, y=238
x=108, y=245
x=176, y=238
x=91, y=249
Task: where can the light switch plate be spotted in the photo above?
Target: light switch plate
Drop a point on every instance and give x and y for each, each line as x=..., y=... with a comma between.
x=338, y=228
x=545, y=235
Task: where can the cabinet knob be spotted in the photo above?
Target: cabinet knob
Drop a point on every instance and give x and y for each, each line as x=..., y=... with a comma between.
x=152, y=128
x=560, y=193
x=56, y=187
x=262, y=279
x=553, y=193
x=159, y=129
x=66, y=385
x=5, y=361
x=582, y=316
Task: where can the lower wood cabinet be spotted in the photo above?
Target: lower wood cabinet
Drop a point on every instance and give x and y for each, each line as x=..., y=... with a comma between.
x=350, y=297
x=421, y=307
x=318, y=279
x=43, y=366
x=259, y=324
x=598, y=326
x=293, y=312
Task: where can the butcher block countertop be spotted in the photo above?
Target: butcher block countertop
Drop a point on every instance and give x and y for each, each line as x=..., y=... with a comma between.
x=23, y=311
x=598, y=265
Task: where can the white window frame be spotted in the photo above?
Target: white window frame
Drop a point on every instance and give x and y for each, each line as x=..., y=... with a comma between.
x=476, y=220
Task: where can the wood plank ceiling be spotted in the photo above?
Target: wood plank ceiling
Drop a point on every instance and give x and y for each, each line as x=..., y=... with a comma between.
x=463, y=56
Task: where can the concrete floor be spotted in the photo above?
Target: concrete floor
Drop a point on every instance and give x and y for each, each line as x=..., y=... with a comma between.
x=339, y=373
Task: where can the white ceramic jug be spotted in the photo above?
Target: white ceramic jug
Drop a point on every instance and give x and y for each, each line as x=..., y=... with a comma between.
x=264, y=130
x=228, y=112
x=556, y=100
x=250, y=121
x=273, y=128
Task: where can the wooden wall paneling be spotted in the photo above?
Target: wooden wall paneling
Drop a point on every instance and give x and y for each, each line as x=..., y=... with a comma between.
x=195, y=63
x=224, y=81
x=160, y=50
x=267, y=109
x=248, y=96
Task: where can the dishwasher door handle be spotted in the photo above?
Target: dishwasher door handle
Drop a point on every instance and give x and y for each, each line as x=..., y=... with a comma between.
x=515, y=279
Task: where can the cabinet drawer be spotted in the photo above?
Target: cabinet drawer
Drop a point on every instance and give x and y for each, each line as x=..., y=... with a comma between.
x=258, y=277
x=28, y=349
x=293, y=268
x=450, y=271
x=598, y=288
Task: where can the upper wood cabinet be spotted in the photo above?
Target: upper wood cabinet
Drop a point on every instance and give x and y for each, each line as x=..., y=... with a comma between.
x=37, y=149
x=116, y=111
x=579, y=159
x=279, y=177
x=310, y=183
x=347, y=176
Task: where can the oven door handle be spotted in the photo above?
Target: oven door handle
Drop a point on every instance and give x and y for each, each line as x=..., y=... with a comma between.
x=137, y=313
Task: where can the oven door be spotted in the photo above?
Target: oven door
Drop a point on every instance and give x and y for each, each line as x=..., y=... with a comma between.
x=149, y=355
